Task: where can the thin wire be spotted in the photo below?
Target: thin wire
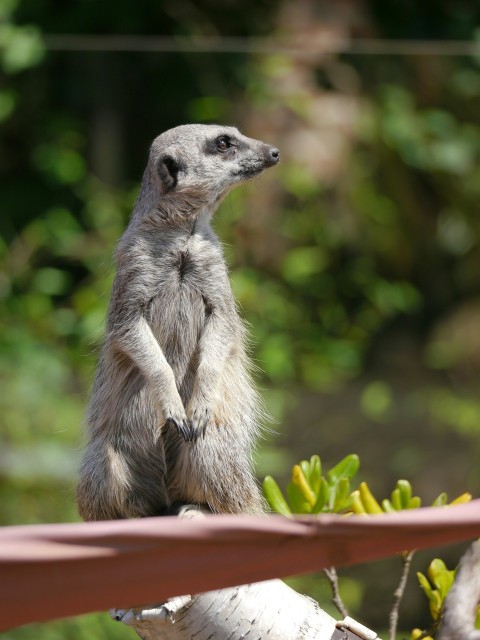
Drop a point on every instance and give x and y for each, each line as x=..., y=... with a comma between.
x=319, y=46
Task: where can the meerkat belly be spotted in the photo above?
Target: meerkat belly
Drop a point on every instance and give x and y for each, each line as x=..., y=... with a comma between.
x=177, y=317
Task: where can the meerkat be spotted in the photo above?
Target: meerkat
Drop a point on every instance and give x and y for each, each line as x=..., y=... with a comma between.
x=174, y=416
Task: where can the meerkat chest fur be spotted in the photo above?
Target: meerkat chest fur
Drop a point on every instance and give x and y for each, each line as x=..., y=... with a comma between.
x=191, y=283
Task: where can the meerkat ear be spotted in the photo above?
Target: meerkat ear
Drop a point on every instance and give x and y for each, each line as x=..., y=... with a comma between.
x=168, y=169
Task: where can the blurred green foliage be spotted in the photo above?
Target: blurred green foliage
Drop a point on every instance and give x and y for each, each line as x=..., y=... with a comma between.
x=331, y=281
x=82, y=628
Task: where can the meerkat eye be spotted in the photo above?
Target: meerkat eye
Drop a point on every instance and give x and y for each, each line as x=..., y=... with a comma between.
x=223, y=143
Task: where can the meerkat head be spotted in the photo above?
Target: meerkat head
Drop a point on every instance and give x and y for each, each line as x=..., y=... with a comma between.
x=201, y=163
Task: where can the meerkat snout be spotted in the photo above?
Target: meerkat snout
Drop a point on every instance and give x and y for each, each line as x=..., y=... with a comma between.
x=273, y=156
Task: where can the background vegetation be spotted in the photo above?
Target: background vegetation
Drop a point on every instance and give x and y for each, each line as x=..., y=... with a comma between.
x=355, y=261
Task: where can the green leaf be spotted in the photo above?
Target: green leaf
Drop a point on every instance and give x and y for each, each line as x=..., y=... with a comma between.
x=347, y=467
x=299, y=479
x=305, y=466
x=462, y=499
x=425, y=585
x=414, y=503
x=297, y=499
x=342, y=494
x=356, y=503
x=387, y=506
x=323, y=494
x=441, y=500
x=315, y=474
x=332, y=496
x=436, y=566
x=396, y=500
x=274, y=497
x=405, y=489
x=435, y=605
x=441, y=577
x=369, y=501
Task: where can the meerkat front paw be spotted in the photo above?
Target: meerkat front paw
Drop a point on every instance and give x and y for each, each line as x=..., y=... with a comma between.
x=199, y=417
x=178, y=419
x=182, y=427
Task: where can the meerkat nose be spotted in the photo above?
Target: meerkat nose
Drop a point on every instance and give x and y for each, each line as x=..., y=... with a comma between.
x=273, y=156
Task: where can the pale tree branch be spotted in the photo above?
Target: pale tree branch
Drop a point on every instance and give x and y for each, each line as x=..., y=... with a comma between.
x=461, y=603
x=263, y=610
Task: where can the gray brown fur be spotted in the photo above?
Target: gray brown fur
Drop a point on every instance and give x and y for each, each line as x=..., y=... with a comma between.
x=174, y=365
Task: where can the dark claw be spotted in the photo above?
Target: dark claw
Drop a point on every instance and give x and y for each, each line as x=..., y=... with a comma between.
x=193, y=431
x=186, y=431
x=181, y=427
x=198, y=427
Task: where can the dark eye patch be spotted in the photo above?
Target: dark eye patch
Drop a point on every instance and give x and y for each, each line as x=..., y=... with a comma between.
x=220, y=144
x=223, y=143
